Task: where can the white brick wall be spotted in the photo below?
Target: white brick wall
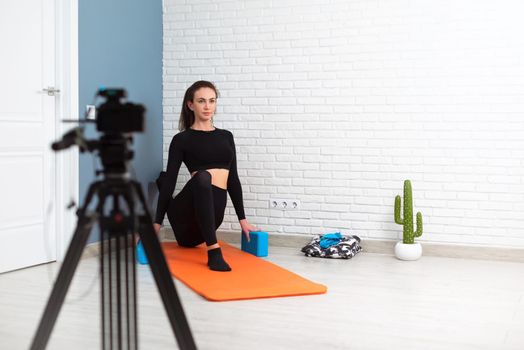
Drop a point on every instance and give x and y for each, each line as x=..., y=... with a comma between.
x=336, y=102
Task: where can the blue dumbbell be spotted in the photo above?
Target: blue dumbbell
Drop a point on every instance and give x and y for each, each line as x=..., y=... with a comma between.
x=258, y=243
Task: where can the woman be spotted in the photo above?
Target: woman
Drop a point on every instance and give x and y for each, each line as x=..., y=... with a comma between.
x=210, y=156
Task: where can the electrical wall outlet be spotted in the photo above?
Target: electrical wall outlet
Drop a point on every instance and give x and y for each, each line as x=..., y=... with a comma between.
x=284, y=204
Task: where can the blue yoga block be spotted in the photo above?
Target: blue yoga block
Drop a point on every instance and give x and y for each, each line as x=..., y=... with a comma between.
x=257, y=244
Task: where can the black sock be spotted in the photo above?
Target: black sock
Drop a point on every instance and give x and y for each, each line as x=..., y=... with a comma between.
x=215, y=260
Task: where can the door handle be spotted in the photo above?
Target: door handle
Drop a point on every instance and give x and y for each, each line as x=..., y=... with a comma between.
x=51, y=91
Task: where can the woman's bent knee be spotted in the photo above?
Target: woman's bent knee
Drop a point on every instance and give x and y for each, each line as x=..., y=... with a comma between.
x=202, y=178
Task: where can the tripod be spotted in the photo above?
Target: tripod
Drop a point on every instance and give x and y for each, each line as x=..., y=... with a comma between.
x=117, y=267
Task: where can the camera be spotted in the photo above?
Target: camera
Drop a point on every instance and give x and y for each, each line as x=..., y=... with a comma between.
x=113, y=116
x=116, y=119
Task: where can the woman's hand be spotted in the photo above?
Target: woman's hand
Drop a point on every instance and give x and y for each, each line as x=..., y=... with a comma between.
x=246, y=228
x=157, y=228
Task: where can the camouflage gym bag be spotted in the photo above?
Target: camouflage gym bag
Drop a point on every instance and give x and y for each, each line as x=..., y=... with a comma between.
x=333, y=245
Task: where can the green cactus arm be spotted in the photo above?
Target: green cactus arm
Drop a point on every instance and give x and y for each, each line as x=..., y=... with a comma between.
x=418, y=233
x=398, y=219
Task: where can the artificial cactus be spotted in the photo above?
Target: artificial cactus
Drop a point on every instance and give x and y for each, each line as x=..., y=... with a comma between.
x=408, y=235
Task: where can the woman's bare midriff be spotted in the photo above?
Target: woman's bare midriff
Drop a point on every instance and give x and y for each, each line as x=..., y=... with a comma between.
x=218, y=177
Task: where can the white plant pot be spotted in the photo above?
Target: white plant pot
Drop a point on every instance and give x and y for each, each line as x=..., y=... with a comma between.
x=408, y=251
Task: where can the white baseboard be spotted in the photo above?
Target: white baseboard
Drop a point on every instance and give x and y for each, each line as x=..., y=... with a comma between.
x=387, y=246
x=368, y=245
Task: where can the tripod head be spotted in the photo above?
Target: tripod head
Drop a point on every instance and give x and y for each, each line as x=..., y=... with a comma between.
x=117, y=120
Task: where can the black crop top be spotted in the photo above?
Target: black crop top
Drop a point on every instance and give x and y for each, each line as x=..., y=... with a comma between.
x=200, y=150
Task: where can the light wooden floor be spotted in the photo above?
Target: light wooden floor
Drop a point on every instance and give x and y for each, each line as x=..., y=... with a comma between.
x=373, y=302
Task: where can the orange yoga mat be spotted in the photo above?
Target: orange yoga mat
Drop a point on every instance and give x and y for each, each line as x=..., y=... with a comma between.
x=251, y=277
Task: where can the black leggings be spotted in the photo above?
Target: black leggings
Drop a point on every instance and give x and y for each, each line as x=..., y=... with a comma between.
x=197, y=211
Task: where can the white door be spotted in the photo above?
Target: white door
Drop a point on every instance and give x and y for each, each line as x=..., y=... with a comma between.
x=27, y=126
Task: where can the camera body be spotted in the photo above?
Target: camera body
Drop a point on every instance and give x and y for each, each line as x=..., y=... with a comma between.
x=113, y=116
x=116, y=121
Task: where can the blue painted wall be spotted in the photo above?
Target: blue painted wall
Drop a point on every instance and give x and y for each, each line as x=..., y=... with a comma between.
x=120, y=45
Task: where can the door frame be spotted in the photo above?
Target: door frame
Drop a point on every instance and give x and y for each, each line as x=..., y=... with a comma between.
x=67, y=162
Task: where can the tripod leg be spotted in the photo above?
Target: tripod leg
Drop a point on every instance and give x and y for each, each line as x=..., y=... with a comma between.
x=163, y=279
x=65, y=275
x=119, y=321
x=131, y=302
